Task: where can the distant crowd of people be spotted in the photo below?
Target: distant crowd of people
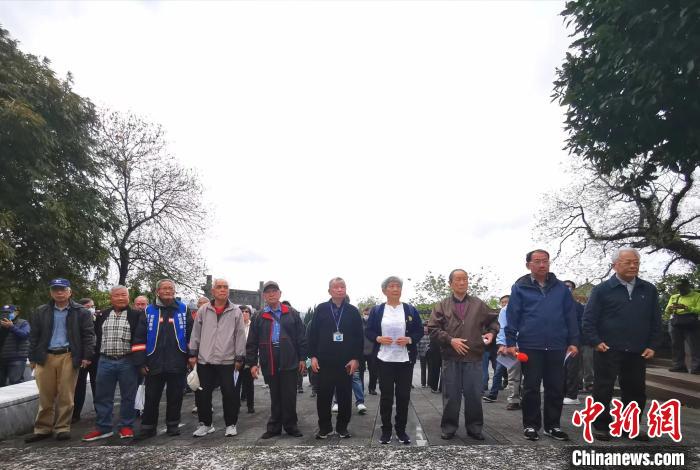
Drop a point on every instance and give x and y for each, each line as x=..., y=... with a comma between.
x=541, y=336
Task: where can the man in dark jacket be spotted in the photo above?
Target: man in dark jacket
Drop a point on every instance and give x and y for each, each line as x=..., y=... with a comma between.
x=62, y=338
x=168, y=328
x=622, y=320
x=541, y=322
x=14, y=346
x=121, y=342
x=277, y=337
x=336, y=343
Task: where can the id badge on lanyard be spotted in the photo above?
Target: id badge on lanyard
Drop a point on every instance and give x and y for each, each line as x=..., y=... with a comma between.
x=337, y=336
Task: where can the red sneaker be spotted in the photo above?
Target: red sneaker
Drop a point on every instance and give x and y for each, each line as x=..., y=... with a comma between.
x=96, y=435
x=126, y=433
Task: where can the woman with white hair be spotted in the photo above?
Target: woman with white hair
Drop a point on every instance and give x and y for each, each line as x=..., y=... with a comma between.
x=396, y=329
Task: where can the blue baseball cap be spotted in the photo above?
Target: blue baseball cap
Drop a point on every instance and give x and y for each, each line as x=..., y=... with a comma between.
x=59, y=282
x=8, y=308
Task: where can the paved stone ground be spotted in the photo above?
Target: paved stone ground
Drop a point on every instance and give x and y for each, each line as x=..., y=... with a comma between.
x=504, y=445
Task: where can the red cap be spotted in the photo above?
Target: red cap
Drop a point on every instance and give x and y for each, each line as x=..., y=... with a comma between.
x=522, y=357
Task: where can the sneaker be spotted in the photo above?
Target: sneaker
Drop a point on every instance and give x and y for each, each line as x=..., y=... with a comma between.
x=513, y=406
x=96, y=435
x=531, y=435
x=361, y=408
x=335, y=408
x=145, y=434
x=323, y=435
x=403, y=437
x=556, y=433
x=126, y=433
x=230, y=430
x=372, y=392
x=194, y=410
x=203, y=430
x=571, y=401
x=385, y=438
x=488, y=398
x=265, y=386
x=344, y=434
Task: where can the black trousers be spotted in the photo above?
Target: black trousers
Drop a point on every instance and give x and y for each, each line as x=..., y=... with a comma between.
x=423, y=371
x=211, y=375
x=154, y=391
x=81, y=387
x=247, y=388
x=371, y=365
x=333, y=379
x=630, y=368
x=543, y=366
x=313, y=380
x=283, y=401
x=434, y=359
x=572, y=381
x=680, y=336
x=394, y=379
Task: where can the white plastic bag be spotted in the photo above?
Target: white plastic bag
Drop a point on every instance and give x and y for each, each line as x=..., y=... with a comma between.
x=193, y=380
x=140, y=397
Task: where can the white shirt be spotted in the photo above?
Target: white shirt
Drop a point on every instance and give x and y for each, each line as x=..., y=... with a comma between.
x=394, y=325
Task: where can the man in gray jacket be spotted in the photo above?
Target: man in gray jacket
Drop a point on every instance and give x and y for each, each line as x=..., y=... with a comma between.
x=217, y=347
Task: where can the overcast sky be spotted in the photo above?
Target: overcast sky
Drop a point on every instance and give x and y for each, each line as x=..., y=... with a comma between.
x=353, y=139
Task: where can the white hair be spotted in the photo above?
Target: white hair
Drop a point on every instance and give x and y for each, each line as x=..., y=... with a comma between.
x=389, y=280
x=159, y=283
x=335, y=279
x=625, y=249
x=118, y=287
x=219, y=279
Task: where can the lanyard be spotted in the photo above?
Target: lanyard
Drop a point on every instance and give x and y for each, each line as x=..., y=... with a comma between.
x=340, y=315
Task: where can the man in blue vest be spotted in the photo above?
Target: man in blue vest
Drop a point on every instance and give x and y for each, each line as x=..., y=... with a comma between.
x=168, y=327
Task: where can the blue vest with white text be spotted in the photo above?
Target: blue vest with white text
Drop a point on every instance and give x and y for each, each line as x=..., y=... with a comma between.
x=154, y=322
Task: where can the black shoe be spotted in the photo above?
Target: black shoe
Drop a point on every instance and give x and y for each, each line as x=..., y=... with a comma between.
x=36, y=437
x=372, y=392
x=173, y=431
x=145, y=434
x=63, y=436
x=313, y=394
x=385, y=438
x=295, y=432
x=513, y=406
x=447, y=436
x=556, y=433
x=323, y=434
x=488, y=398
x=300, y=390
x=601, y=435
x=251, y=410
x=344, y=434
x=476, y=435
x=270, y=434
x=678, y=369
x=403, y=437
x=531, y=435
x=432, y=390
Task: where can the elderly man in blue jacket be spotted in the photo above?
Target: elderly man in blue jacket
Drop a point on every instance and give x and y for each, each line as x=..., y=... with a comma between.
x=622, y=320
x=541, y=322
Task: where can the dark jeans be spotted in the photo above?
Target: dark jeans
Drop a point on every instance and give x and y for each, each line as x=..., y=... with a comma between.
x=371, y=366
x=423, y=371
x=12, y=373
x=283, y=401
x=211, y=375
x=434, y=368
x=630, y=368
x=679, y=336
x=394, y=379
x=247, y=387
x=333, y=379
x=572, y=381
x=497, y=382
x=81, y=387
x=461, y=380
x=543, y=366
x=110, y=373
x=300, y=381
x=154, y=392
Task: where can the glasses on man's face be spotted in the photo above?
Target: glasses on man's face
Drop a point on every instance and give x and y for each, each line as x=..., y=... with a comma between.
x=540, y=262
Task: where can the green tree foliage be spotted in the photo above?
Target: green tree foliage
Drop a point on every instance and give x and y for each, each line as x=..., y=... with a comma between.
x=631, y=88
x=52, y=218
x=369, y=301
x=631, y=85
x=433, y=288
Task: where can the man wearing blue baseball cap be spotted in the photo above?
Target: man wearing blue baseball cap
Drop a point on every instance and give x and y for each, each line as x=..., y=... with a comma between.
x=14, y=346
x=61, y=339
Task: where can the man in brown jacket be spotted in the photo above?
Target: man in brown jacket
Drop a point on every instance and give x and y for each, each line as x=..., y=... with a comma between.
x=462, y=324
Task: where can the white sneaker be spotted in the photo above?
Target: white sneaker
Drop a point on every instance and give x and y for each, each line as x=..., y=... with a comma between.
x=335, y=408
x=571, y=401
x=203, y=430
x=361, y=408
x=231, y=431
x=194, y=410
x=265, y=386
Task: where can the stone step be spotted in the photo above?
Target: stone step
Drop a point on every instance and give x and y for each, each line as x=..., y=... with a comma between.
x=689, y=397
x=675, y=379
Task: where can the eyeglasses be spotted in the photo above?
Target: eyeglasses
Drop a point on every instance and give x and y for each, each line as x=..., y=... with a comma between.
x=539, y=262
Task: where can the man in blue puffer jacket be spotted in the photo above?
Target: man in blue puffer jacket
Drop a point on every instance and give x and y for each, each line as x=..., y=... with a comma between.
x=541, y=322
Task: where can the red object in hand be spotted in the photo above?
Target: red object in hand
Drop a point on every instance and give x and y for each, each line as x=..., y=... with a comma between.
x=522, y=357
